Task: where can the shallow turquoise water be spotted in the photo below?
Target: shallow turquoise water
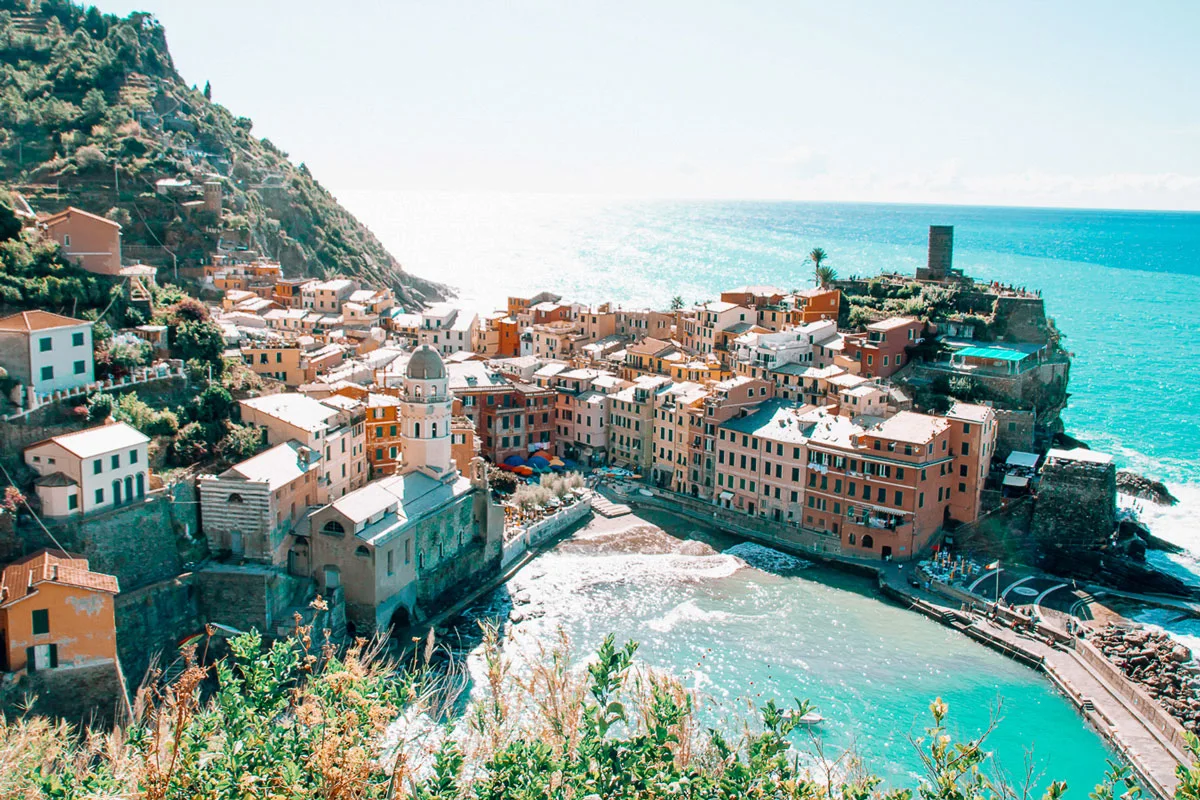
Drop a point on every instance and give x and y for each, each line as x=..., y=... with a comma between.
x=739, y=623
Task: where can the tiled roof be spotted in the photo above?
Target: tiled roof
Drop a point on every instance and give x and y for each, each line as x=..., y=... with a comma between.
x=29, y=321
x=98, y=440
x=21, y=578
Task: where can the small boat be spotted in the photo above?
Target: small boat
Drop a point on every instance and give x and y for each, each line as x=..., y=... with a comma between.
x=808, y=720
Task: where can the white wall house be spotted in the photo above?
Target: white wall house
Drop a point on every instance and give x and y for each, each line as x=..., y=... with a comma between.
x=90, y=470
x=47, y=352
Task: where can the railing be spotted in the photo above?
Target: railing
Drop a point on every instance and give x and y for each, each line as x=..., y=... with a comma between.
x=139, y=376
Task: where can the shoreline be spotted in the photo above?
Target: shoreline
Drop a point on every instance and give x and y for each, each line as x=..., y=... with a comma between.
x=1111, y=705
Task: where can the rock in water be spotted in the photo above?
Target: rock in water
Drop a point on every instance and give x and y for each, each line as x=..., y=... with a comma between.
x=1131, y=483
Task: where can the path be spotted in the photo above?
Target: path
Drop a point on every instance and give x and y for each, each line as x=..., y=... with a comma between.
x=1151, y=754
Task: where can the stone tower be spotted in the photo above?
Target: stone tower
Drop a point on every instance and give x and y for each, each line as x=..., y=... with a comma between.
x=425, y=415
x=940, y=264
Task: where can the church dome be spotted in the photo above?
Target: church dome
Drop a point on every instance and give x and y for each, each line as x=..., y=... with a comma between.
x=425, y=365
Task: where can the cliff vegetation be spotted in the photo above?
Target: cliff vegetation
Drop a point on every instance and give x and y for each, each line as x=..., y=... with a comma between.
x=94, y=114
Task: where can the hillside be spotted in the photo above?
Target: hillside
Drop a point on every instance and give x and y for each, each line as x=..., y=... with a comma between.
x=94, y=114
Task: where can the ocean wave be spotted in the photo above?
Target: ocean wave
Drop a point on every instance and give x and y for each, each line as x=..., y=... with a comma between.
x=687, y=611
x=765, y=559
x=1178, y=524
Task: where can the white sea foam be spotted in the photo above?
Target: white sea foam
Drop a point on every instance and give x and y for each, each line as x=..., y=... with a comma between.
x=766, y=559
x=687, y=611
x=1178, y=524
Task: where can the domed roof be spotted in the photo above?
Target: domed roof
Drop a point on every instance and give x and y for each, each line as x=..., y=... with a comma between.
x=425, y=365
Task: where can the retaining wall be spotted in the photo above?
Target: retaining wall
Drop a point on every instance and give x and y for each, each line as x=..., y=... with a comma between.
x=542, y=531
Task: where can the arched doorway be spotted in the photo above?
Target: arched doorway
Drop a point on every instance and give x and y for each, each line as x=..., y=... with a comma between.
x=868, y=541
x=128, y=487
x=400, y=621
x=116, y=487
x=141, y=484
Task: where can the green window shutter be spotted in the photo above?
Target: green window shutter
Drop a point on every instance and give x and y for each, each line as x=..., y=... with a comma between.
x=53, y=656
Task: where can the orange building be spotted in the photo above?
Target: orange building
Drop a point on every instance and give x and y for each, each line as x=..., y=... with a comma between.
x=91, y=241
x=973, y=431
x=814, y=305
x=54, y=611
x=288, y=291
x=384, y=442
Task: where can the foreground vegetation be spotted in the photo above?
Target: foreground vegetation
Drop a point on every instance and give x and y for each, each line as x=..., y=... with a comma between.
x=297, y=721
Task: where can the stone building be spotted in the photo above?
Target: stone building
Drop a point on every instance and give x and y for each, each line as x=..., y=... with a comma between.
x=1076, y=504
x=399, y=547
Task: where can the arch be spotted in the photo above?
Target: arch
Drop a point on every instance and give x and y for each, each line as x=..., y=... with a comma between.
x=116, y=487
x=362, y=551
x=868, y=542
x=141, y=484
x=334, y=527
x=416, y=430
x=852, y=538
x=400, y=620
x=234, y=498
x=433, y=433
x=128, y=488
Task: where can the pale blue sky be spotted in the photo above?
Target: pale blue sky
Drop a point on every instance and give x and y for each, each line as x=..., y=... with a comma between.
x=1028, y=103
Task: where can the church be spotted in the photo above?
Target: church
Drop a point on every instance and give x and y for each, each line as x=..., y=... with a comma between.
x=403, y=547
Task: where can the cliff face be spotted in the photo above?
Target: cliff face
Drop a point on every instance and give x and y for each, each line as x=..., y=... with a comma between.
x=93, y=114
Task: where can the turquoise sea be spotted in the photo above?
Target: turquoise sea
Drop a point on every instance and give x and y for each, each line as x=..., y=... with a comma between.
x=1123, y=286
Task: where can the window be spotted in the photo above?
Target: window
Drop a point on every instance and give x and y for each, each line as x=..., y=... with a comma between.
x=97, y=467
x=362, y=552
x=390, y=568
x=99, y=496
x=41, y=621
x=45, y=344
x=116, y=460
x=66, y=240
x=235, y=498
x=80, y=367
x=962, y=487
x=334, y=528
x=966, y=448
x=47, y=373
x=962, y=470
x=72, y=502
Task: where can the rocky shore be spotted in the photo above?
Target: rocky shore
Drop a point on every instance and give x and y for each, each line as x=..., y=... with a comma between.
x=1159, y=665
x=1135, y=485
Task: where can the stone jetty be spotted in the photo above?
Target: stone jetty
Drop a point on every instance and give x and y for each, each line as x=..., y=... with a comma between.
x=1164, y=668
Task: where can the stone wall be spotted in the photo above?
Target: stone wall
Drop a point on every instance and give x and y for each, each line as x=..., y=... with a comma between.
x=139, y=543
x=462, y=545
x=1020, y=319
x=249, y=596
x=1076, y=504
x=152, y=620
x=1014, y=431
x=89, y=694
x=539, y=533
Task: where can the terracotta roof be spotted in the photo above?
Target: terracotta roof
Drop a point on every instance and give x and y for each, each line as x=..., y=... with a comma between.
x=21, y=578
x=67, y=212
x=28, y=321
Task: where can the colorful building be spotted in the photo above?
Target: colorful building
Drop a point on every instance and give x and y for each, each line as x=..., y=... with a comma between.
x=55, y=612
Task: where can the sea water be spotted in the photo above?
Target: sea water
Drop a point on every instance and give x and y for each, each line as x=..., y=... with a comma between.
x=740, y=624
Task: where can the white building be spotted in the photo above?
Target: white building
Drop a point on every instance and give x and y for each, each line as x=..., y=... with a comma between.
x=769, y=351
x=447, y=329
x=90, y=470
x=47, y=352
x=334, y=427
x=425, y=415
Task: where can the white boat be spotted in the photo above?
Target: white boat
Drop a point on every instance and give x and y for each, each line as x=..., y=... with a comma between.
x=809, y=719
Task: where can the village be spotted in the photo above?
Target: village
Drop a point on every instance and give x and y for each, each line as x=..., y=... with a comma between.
x=402, y=459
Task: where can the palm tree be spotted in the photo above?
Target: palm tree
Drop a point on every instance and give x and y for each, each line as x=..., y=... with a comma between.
x=818, y=258
x=676, y=303
x=826, y=276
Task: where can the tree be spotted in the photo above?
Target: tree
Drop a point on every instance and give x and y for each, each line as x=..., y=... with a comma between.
x=826, y=276
x=214, y=404
x=817, y=256
x=240, y=443
x=207, y=91
x=10, y=223
x=202, y=341
x=94, y=106
x=100, y=407
x=677, y=302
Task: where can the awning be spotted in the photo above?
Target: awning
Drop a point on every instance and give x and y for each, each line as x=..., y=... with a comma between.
x=1017, y=481
x=725, y=496
x=1018, y=458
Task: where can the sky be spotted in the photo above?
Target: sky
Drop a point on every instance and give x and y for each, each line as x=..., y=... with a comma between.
x=1073, y=103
